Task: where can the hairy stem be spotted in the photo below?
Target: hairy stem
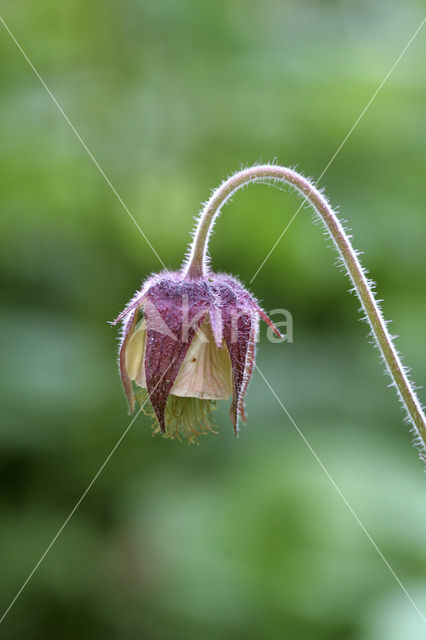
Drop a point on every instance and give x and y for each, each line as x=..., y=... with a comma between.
x=196, y=266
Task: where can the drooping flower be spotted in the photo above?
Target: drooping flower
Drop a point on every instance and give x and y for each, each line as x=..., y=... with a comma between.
x=186, y=343
x=182, y=374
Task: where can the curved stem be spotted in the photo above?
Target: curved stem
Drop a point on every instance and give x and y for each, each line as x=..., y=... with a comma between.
x=196, y=266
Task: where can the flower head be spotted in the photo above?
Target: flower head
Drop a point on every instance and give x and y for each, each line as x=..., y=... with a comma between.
x=186, y=343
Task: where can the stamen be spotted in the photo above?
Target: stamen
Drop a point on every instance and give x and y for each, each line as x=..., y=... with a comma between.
x=185, y=417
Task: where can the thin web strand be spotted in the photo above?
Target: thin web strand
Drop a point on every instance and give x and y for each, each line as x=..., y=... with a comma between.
x=342, y=496
x=84, y=145
x=80, y=500
x=345, y=139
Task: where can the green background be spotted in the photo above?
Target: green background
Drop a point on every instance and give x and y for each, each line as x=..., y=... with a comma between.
x=242, y=538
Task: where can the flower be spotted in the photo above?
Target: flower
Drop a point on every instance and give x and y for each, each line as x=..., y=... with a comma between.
x=186, y=343
x=181, y=374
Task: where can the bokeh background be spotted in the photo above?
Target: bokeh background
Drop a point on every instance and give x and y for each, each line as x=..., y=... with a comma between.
x=231, y=539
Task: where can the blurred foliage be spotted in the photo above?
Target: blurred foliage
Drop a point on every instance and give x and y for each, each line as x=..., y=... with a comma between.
x=248, y=538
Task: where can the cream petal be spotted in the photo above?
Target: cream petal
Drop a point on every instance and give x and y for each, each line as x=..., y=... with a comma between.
x=135, y=352
x=206, y=371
